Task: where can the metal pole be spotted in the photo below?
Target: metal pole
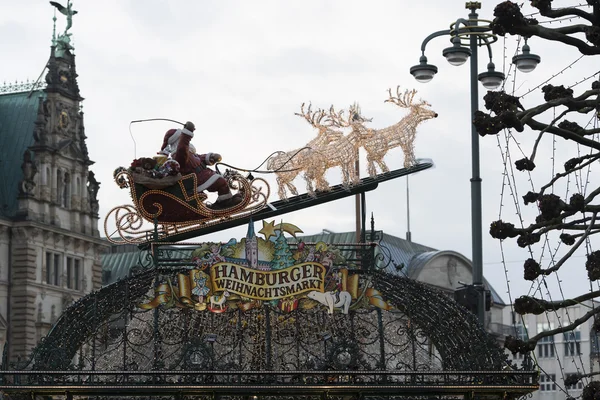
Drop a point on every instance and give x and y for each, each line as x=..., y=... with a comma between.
x=408, y=234
x=476, y=225
x=357, y=200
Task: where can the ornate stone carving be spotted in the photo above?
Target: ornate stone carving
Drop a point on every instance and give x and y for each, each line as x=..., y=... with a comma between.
x=30, y=170
x=67, y=299
x=45, y=193
x=53, y=314
x=40, y=133
x=20, y=234
x=75, y=202
x=48, y=237
x=82, y=137
x=34, y=233
x=93, y=186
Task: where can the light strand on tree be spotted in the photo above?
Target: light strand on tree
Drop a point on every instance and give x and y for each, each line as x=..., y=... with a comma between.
x=552, y=77
x=583, y=80
x=580, y=5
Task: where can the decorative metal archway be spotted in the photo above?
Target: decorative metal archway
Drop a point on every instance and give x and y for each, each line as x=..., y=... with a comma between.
x=426, y=345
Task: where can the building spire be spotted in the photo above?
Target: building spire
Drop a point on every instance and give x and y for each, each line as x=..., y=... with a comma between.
x=54, y=29
x=250, y=232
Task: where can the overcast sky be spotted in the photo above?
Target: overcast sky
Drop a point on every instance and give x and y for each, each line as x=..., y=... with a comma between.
x=241, y=69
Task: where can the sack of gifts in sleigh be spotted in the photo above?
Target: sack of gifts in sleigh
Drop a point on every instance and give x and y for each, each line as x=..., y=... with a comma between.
x=165, y=198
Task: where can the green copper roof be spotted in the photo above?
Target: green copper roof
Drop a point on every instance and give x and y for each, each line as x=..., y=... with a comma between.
x=400, y=251
x=18, y=112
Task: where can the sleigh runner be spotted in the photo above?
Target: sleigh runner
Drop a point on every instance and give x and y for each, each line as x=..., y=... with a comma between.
x=173, y=205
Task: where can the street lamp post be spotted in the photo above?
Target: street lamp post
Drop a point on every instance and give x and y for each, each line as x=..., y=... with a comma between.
x=477, y=35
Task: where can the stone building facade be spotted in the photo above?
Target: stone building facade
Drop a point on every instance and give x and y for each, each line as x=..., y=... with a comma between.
x=561, y=355
x=50, y=246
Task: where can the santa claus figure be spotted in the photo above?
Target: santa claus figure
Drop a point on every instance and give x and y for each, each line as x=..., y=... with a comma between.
x=177, y=144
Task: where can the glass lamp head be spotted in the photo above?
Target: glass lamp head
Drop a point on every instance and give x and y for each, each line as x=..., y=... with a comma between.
x=423, y=72
x=457, y=54
x=526, y=62
x=492, y=79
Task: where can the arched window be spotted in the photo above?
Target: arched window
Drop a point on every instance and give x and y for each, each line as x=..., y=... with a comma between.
x=78, y=186
x=59, y=187
x=46, y=177
x=66, y=192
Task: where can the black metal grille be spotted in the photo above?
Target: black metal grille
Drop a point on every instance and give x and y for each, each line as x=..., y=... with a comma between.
x=106, y=345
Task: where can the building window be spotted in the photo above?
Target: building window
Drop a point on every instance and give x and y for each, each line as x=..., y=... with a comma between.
x=59, y=187
x=546, y=347
x=595, y=343
x=53, y=268
x=74, y=273
x=577, y=386
x=66, y=191
x=572, y=343
x=548, y=383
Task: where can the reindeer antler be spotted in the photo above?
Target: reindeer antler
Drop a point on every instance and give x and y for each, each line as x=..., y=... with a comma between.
x=405, y=101
x=337, y=119
x=313, y=118
x=408, y=95
x=356, y=114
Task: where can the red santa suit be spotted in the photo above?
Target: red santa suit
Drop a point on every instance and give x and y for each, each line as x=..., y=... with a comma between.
x=177, y=143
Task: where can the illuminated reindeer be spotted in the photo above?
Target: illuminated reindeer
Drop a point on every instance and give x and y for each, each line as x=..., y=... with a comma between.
x=341, y=153
x=401, y=134
x=293, y=162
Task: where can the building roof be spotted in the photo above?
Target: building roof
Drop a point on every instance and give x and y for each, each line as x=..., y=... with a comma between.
x=116, y=266
x=18, y=112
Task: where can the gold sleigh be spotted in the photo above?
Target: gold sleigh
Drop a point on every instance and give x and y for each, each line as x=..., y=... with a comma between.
x=173, y=206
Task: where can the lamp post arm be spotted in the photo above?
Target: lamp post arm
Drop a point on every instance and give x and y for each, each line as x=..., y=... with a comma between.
x=433, y=36
x=463, y=21
x=489, y=48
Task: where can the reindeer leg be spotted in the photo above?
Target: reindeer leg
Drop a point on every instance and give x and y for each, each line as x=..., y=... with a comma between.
x=292, y=188
x=371, y=166
x=345, y=175
x=281, y=190
x=309, y=186
x=322, y=184
x=355, y=180
x=383, y=166
x=409, y=155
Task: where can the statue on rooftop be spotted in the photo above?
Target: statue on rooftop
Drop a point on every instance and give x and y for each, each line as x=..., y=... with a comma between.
x=63, y=42
x=68, y=11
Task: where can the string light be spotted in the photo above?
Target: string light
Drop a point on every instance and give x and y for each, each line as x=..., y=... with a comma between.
x=509, y=188
x=552, y=77
x=333, y=149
